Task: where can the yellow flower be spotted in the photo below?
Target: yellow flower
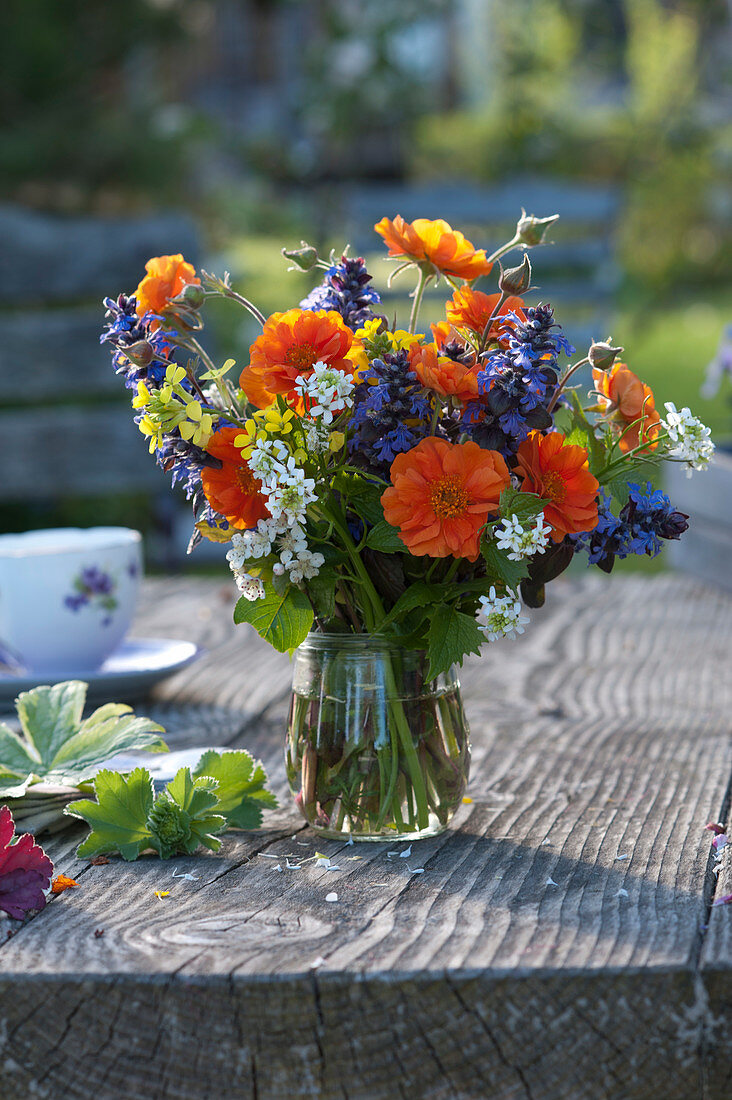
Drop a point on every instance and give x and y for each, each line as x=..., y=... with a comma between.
x=198, y=425
x=369, y=330
x=143, y=396
x=150, y=428
x=262, y=424
x=402, y=340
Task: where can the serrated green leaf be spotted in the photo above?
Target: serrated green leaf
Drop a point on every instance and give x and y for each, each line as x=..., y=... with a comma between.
x=58, y=747
x=195, y=796
x=321, y=590
x=385, y=538
x=362, y=496
x=241, y=791
x=419, y=594
x=499, y=567
x=109, y=730
x=452, y=635
x=522, y=505
x=50, y=715
x=17, y=759
x=582, y=434
x=199, y=816
x=618, y=489
x=118, y=819
x=282, y=620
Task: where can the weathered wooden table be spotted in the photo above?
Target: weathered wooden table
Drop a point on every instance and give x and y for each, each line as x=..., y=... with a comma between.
x=561, y=942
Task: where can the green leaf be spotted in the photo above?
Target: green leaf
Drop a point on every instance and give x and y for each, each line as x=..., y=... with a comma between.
x=191, y=822
x=419, y=594
x=241, y=791
x=451, y=636
x=118, y=819
x=522, y=505
x=58, y=747
x=385, y=538
x=17, y=758
x=321, y=590
x=362, y=496
x=111, y=729
x=50, y=715
x=282, y=620
x=582, y=434
x=500, y=569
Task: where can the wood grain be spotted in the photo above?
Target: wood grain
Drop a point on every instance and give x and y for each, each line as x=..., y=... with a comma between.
x=603, y=733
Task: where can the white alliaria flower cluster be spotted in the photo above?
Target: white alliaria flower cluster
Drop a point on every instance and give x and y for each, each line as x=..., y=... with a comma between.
x=523, y=542
x=326, y=391
x=295, y=558
x=500, y=616
x=691, y=439
x=300, y=563
x=317, y=439
x=284, y=484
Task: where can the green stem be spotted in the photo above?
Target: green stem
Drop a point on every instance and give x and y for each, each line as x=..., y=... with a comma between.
x=618, y=462
x=504, y=248
x=210, y=365
x=418, y=293
x=491, y=319
x=568, y=374
x=227, y=292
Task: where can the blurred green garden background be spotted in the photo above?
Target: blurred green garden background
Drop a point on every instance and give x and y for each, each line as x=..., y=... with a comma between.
x=269, y=121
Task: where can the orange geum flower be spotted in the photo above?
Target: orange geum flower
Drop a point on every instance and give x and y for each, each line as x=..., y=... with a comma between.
x=291, y=344
x=166, y=277
x=559, y=472
x=232, y=490
x=628, y=403
x=472, y=309
x=436, y=243
x=441, y=496
x=445, y=376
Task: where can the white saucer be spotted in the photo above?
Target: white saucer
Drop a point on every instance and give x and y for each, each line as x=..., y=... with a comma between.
x=128, y=673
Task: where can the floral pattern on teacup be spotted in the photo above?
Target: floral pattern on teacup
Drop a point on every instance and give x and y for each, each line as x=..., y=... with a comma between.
x=93, y=587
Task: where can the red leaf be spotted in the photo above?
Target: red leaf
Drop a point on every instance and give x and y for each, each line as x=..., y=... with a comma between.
x=25, y=870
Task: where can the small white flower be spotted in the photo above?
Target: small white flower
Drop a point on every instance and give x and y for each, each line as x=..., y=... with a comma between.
x=316, y=439
x=289, y=498
x=292, y=542
x=250, y=587
x=523, y=542
x=328, y=391
x=500, y=616
x=267, y=457
x=691, y=439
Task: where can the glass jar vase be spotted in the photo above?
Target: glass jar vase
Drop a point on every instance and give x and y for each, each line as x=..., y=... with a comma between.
x=374, y=750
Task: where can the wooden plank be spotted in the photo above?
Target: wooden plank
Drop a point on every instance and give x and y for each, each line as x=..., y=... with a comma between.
x=603, y=731
x=715, y=983
x=82, y=451
x=64, y=350
x=46, y=258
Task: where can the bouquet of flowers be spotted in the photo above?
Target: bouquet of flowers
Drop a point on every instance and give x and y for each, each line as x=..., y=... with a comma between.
x=393, y=488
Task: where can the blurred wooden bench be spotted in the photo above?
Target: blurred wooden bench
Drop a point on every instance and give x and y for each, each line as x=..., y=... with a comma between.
x=578, y=274
x=65, y=417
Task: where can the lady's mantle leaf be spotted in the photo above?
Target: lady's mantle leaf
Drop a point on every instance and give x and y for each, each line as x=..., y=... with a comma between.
x=241, y=792
x=25, y=870
x=118, y=819
x=282, y=620
x=57, y=746
x=451, y=636
x=181, y=818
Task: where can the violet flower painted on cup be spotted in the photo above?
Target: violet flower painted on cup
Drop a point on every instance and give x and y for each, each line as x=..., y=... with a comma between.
x=95, y=588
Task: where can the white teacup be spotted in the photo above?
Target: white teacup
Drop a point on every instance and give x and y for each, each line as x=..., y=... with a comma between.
x=67, y=597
